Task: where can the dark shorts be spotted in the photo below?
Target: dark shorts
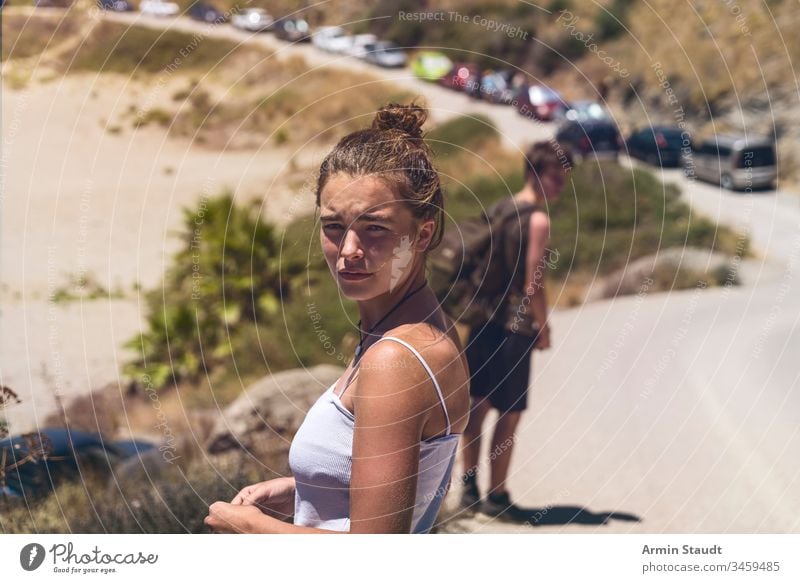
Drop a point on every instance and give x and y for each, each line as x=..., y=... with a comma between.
x=500, y=366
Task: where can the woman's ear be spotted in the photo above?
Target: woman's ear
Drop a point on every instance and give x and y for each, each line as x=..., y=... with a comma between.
x=425, y=235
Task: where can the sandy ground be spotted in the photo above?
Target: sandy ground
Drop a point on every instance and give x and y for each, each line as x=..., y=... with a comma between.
x=662, y=413
x=82, y=201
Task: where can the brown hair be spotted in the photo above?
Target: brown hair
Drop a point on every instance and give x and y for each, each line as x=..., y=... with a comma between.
x=393, y=149
x=543, y=156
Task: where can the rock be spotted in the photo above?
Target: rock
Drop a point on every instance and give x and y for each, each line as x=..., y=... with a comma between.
x=275, y=405
x=628, y=280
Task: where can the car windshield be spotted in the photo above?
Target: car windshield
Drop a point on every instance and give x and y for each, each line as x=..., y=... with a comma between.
x=752, y=157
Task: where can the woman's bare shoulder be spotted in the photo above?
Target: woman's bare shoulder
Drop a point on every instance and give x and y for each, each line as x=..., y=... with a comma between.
x=441, y=349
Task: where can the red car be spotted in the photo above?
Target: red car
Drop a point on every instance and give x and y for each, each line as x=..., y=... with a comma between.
x=540, y=102
x=464, y=77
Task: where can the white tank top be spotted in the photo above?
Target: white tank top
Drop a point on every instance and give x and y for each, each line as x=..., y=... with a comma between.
x=320, y=459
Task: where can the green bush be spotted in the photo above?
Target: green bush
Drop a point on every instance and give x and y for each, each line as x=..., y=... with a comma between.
x=612, y=22
x=120, y=48
x=465, y=132
x=607, y=216
x=227, y=274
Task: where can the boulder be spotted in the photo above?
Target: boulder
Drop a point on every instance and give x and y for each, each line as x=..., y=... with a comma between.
x=271, y=408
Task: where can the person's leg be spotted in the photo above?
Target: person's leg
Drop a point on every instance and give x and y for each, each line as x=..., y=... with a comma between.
x=511, y=401
x=471, y=440
x=503, y=441
x=470, y=453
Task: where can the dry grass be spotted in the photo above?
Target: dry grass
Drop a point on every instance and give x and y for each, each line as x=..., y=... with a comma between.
x=142, y=497
x=28, y=34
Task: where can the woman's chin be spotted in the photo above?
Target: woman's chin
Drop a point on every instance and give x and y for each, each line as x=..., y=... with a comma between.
x=356, y=290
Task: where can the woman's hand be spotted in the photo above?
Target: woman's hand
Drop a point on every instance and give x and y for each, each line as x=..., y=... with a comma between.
x=272, y=497
x=224, y=518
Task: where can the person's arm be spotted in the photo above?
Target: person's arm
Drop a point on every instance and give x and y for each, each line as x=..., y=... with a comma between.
x=391, y=404
x=248, y=519
x=536, y=267
x=274, y=497
x=388, y=429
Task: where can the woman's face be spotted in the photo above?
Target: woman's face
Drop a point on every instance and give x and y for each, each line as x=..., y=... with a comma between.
x=369, y=238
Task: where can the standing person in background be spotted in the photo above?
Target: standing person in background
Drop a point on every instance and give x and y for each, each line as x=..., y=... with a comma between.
x=499, y=353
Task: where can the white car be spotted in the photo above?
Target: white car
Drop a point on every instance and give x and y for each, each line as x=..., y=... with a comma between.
x=358, y=43
x=253, y=20
x=333, y=39
x=385, y=54
x=158, y=8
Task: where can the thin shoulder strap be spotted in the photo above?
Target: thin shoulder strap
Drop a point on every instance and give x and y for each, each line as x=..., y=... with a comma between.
x=427, y=368
x=430, y=373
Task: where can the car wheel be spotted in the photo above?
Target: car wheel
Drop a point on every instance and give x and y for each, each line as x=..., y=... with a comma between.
x=726, y=182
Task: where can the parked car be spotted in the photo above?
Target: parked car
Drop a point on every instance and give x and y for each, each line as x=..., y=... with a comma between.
x=540, y=102
x=734, y=162
x=431, y=65
x=583, y=110
x=385, y=54
x=464, y=77
x=35, y=463
x=253, y=20
x=158, y=8
x=206, y=13
x=333, y=39
x=501, y=86
x=595, y=138
x=356, y=47
x=658, y=145
x=294, y=30
x=115, y=5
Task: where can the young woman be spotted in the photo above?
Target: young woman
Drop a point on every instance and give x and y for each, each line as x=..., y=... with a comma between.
x=375, y=452
x=499, y=354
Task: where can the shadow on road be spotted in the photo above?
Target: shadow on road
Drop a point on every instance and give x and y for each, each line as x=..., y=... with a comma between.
x=559, y=515
x=556, y=515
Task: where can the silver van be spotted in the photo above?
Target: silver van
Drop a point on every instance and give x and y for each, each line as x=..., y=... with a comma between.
x=734, y=162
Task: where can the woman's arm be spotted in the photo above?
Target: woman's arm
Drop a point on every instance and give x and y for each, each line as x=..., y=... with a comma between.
x=273, y=497
x=236, y=518
x=392, y=400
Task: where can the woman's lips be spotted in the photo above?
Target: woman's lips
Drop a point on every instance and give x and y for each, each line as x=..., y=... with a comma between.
x=352, y=276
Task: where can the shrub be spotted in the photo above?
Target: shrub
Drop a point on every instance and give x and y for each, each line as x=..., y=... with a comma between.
x=461, y=133
x=228, y=273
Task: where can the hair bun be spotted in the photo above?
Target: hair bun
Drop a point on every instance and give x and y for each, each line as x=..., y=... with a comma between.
x=406, y=118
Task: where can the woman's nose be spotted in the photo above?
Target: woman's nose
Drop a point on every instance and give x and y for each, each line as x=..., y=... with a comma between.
x=351, y=246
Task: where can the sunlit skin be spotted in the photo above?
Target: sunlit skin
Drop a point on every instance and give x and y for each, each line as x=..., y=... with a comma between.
x=366, y=227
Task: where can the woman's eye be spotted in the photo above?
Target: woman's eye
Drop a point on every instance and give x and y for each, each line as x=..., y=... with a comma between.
x=376, y=228
x=331, y=227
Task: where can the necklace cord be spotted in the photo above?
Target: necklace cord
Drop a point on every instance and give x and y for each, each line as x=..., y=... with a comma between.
x=397, y=305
